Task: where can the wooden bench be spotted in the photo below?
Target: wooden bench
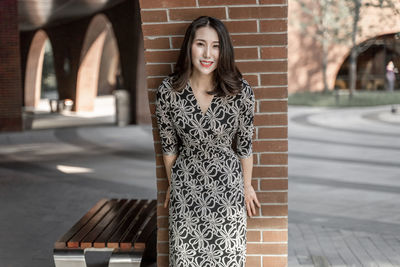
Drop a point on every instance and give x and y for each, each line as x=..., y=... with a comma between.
x=122, y=229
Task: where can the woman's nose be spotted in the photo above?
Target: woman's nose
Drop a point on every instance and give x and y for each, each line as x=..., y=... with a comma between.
x=206, y=53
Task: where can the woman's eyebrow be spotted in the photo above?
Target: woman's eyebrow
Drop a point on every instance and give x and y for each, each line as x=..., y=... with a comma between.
x=205, y=40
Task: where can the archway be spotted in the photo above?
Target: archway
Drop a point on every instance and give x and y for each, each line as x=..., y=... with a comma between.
x=371, y=64
x=99, y=54
x=34, y=67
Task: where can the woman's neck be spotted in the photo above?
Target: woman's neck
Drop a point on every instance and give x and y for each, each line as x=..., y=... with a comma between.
x=201, y=81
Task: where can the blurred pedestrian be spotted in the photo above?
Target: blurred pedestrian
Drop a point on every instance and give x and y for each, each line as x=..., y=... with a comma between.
x=390, y=76
x=391, y=79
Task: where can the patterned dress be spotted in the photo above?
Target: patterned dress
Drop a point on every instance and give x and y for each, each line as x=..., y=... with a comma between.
x=207, y=213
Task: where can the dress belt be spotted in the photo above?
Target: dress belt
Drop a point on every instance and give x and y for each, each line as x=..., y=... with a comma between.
x=208, y=151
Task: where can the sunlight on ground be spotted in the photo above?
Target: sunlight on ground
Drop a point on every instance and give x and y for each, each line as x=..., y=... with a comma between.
x=73, y=169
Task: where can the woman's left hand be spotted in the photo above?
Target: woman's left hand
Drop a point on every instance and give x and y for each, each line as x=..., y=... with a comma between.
x=251, y=200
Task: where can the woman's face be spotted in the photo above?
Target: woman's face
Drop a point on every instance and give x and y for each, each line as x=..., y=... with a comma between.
x=205, y=50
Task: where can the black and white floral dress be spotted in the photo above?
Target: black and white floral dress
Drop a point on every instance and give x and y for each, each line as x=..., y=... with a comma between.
x=207, y=213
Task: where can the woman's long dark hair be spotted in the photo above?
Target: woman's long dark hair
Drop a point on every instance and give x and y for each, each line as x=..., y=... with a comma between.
x=227, y=77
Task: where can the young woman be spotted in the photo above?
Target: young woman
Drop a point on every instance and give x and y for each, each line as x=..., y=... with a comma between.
x=205, y=116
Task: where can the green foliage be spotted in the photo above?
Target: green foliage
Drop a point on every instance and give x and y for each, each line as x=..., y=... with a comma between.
x=334, y=99
x=49, y=82
x=328, y=17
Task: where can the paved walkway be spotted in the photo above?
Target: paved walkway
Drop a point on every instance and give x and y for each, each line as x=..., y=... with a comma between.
x=344, y=184
x=344, y=187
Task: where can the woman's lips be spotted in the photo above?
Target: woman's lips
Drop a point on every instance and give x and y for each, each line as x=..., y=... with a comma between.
x=206, y=63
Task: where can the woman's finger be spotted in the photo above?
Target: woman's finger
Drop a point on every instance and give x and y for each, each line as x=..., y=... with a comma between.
x=166, y=199
x=248, y=209
x=257, y=202
x=253, y=209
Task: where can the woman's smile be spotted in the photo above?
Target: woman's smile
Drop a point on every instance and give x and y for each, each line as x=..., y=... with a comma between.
x=206, y=63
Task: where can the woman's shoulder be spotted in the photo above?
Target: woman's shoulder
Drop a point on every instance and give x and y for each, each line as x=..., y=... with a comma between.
x=163, y=92
x=166, y=83
x=246, y=91
x=165, y=87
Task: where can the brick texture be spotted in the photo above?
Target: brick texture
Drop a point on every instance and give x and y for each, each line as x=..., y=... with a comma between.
x=10, y=70
x=259, y=33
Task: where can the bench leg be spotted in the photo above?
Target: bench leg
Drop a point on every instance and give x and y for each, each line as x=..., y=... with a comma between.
x=69, y=258
x=98, y=257
x=125, y=259
x=81, y=258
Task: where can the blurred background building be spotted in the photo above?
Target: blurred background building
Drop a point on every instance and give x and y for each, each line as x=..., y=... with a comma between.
x=69, y=50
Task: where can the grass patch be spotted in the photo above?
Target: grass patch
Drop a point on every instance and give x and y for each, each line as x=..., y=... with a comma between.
x=342, y=99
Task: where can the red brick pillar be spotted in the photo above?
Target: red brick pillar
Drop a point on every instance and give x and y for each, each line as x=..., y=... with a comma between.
x=10, y=70
x=259, y=32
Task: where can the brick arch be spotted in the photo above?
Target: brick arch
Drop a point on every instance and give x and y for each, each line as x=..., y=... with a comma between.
x=89, y=62
x=259, y=33
x=341, y=58
x=109, y=64
x=34, y=66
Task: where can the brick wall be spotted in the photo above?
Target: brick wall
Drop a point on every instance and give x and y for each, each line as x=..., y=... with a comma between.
x=10, y=75
x=259, y=32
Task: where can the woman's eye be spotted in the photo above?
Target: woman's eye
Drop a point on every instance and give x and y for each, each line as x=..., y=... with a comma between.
x=216, y=46
x=200, y=44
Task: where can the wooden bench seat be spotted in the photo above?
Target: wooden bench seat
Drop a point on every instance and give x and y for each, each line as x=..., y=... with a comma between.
x=120, y=227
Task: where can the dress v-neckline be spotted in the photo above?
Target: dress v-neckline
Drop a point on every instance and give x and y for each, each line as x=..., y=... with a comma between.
x=197, y=102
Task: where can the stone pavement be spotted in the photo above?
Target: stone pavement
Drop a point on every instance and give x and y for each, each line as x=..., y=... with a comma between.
x=344, y=184
x=344, y=187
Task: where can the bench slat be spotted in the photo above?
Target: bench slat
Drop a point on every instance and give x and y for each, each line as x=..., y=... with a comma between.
x=132, y=231
x=113, y=241
x=101, y=240
x=151, y=225
x=88, y=240
x=75, y=240
x=123, y=224
x=62, y=241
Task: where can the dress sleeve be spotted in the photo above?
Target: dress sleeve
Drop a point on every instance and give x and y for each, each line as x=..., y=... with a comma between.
x=168, y=135
x=246, y=118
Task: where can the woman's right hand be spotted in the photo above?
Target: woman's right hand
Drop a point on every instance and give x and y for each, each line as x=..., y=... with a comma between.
x=166, y=198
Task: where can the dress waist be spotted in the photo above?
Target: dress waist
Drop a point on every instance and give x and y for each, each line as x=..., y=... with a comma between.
x=206, y=150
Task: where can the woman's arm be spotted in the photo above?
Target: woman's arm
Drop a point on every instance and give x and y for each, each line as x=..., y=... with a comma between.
x=249, y=193
x=169, y=161
x=168, y=135
x=244, y=146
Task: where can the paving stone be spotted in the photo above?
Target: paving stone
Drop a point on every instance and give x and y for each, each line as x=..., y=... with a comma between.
x=344, y=187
